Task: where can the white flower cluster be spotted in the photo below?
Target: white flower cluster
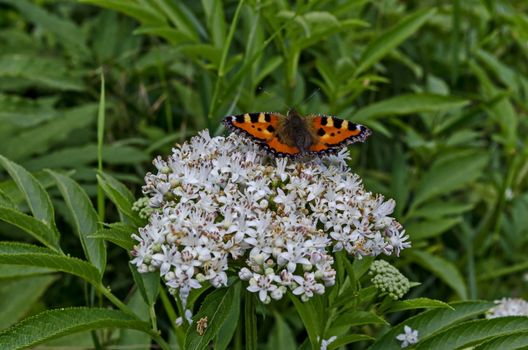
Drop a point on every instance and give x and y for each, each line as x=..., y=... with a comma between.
x=408, y=337
x=508, y=307
x=224, y=205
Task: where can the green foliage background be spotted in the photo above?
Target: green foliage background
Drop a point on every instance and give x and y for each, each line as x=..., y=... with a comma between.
x=443, y=85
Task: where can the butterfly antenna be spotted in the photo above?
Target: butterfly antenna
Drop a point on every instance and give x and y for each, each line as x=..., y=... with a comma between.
x=305, y=100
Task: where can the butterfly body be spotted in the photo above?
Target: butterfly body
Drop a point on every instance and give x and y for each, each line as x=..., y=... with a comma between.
x=294, y=135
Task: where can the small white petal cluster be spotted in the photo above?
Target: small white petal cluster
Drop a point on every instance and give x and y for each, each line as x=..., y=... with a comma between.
x=508, y=307
x=222, y=204
x=408, y=337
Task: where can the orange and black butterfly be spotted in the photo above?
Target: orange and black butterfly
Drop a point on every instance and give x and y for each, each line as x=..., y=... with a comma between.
x=294, y=135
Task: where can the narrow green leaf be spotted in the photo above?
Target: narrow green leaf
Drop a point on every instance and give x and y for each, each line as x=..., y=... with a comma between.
x=36, y=228
x=17, y=296
x=473, y=332
x=56, y=323
x=27, y=254
x=13, y=271
x=85, y=219
x=441, y=208
x=309, y=316
x=510, y=341
x=148, y=284
x=430, y=228
x=215, y=308
x=393, y=37
x=226, y=332
x=119, y=234
x=250, y=321
x=443, y=269
x=120, y=196
x=432, y=321
x=215, y=20
x=358, y=318
x=348, y=339
x=446, y=175
x=281, y=336
x=36, y=197
x=144, y=14
x=65, y=30
x=408, y=104
x=418, y=303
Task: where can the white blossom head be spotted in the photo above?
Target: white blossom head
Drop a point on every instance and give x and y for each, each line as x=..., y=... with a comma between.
x=508, y=307
x=222, y=206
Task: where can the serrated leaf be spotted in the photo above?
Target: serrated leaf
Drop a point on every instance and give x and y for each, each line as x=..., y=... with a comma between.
x=418, y=303
x=443, y=269
x=432, y=321
x=36, y=228
x=17, y=296
x=407, y=104
x=393, y=37
x=473, y=332
x=56, y=323
x=27, y=254
x=12, y=271
x=215, y=308
x=84, y=217
x=36, y=197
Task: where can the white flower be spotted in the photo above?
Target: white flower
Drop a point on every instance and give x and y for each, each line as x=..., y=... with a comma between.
x=508, y=307
x=223, y=207
x=409, y=337
x=326, y=342
x=188, y=317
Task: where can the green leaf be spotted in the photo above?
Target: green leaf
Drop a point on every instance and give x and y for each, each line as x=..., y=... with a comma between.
x=215, y=20
x=36, y=197
x=36, y=228
x=120, y=196
x=473, y=332
x=432, y=321
x=226, y=332
x=215, y=307
x=443, y=269
x=66, y=31
x=144, y=14
x=430, y=228
x=441, y=208
x=358, y=318
x=393, y=37
x=119, y=234
x=132, y=338
x=12, y=271
x=281, y=336
x=17, y=296
x=27, y=254
x=408, y=104
x=418, y=303
x=309, y=316
x=449, y=174
x=56, y=323
x=39, y=70
x=148, y=284
x=85, y=219
x=348, y=339
x=510, y=341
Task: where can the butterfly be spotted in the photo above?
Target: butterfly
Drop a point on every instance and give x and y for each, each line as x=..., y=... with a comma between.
x=296, y=136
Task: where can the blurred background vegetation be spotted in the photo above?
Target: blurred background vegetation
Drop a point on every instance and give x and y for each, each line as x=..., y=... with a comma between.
x=443, y=84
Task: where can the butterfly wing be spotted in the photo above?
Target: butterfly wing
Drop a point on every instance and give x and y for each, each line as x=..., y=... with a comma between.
x=262, y=128
x=334, y=133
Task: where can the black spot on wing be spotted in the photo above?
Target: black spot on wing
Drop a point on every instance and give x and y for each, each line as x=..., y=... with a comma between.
x=239, y=118
x=254, y=117
x=321, y=132
x=337, y=123
x=324, y=120
x=270, y=128
x=267, y=117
